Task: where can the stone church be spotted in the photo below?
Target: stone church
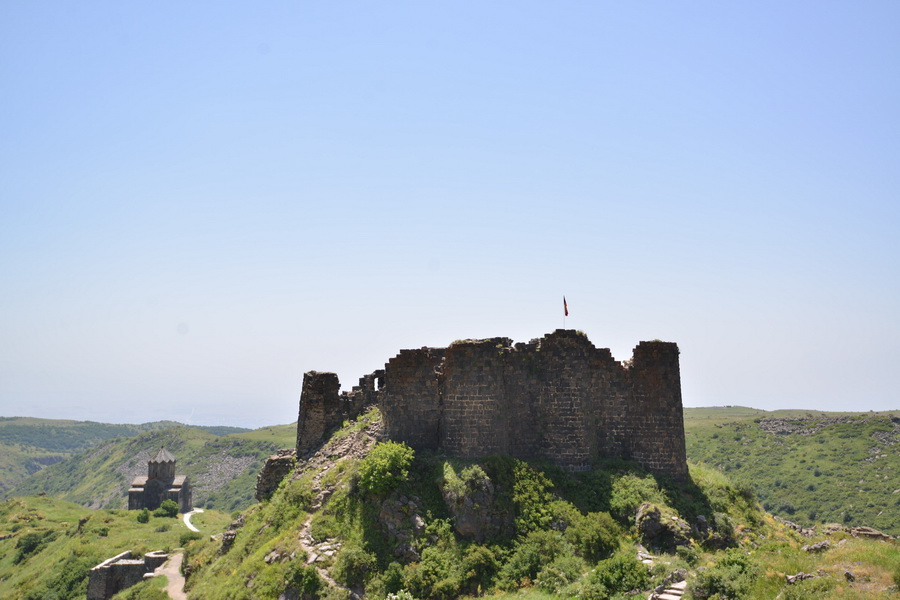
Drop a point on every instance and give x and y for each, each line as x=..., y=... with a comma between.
x=160, y=484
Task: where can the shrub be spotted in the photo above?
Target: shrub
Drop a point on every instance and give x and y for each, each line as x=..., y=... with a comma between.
x=385, y=467
x=353, y=565
x=537, y=549
x=163, y=528
x=730, y=577
x=630, y=491
x=188, y=537
x=563, y=571
x=532, y=498
x=143, y=516
x=304, y=579
x=595, y=536
x=168, y=508
x=32, y=543
x=621, y=573
x=438, y=575
x=479, y=566
x=688, y=554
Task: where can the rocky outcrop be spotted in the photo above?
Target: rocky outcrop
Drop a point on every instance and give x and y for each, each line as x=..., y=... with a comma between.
x=277, y=467
x=470, y=501
x=661, y=533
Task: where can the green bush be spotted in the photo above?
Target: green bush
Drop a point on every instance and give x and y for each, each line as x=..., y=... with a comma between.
x=688, y=554
x=168, y=508
x=537, y=549
x=32, y=543
x=188, y=537
x=437, y=576
x=479, y=566
x=143, y=516
x=304, y=579
x=562, y=572
x=353, y=565
x=385, y=467
x=595, y=536
x=621, y=573
x=532, y=498
x=730, y=577
x=630, y=491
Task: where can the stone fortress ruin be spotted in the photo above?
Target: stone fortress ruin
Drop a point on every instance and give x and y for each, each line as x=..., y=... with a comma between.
x=557, y=398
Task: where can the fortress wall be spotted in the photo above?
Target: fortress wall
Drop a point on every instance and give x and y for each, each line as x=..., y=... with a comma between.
x=558, y=398
x=521, y=415
x=410, y=403
x=566, y=401
x=323, y=407
x=474, y=398
x=655, y=418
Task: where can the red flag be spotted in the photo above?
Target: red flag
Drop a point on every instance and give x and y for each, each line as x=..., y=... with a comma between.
x=565, y=308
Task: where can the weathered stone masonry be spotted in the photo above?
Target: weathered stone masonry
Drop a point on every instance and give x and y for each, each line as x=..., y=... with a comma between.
x=557, y=397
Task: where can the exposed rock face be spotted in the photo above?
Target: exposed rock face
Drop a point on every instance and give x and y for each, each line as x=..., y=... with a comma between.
x=817, y=547
x=274, y=471
x=661, y=533
x=870, y=533
x=714, y=537
x=474, y=513
x=400, y=518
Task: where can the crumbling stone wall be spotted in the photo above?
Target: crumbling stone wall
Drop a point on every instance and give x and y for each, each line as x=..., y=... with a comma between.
x=323, y=407
x=558, y=397
x=120, y=572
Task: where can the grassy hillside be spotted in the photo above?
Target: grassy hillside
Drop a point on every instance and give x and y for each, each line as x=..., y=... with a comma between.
x=807, y=466
x=28, y=444
x=47, y=546
x=222, y=469
x=380, y=519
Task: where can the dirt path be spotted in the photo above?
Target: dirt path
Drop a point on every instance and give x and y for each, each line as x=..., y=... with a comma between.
x=187, y=519
x=172, y=571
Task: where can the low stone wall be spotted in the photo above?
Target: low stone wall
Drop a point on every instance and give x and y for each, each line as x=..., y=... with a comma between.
x=120, y=572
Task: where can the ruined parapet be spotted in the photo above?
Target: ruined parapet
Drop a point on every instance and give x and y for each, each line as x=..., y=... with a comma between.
x=323, y=407
x=557, y=398
x=120, y=572
x=276, y=468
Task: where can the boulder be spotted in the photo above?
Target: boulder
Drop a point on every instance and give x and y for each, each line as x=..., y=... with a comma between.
x=661, y=533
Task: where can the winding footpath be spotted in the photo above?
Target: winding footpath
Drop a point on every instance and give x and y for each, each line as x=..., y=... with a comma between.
x=187, y=519
x=172, y=568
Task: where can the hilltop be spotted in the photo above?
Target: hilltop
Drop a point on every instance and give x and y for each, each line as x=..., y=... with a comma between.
x=366, y=517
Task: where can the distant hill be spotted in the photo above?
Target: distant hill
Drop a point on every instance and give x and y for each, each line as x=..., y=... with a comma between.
x=806, y=466
x=28, y=444
x=222, y=468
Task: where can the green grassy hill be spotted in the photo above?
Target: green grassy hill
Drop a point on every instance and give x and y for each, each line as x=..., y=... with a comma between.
x=382, y=521
x=28, y=444
x=222, y=468
x=806, y=466
x=47, y=546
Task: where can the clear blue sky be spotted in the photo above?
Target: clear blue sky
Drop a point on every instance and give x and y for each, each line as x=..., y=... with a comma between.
x=201, y=201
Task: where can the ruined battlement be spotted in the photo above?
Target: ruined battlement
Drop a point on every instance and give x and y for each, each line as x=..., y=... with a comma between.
x=557, y=398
